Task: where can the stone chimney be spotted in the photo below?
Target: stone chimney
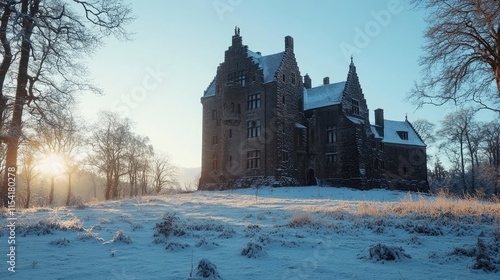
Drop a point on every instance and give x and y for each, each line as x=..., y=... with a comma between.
x=307, y=81
x=289, y=43
x=379, y=120
x=326, y=80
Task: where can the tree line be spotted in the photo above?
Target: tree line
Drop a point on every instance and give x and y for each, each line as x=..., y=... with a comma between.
x=471, y=149
x=108, y=152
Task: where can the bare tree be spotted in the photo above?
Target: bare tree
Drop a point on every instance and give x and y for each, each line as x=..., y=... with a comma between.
x=139, y=150
x=462, y=53
x=29, y=172
x=425, y=130
x=63, y=138
x=110, y=138
x=164, y=173
x=461, y=142
x=42, y=45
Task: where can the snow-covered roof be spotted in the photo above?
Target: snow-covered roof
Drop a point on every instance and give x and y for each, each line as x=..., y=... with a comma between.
x=324, y=95
x=355, y=120
x=269, y=63
x=299, y=125
x=375, y=132
x=210, y=90
x=391, y=135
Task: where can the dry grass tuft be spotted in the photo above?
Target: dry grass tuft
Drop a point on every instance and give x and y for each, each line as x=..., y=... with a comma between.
x=444, y=204
x=301, y=219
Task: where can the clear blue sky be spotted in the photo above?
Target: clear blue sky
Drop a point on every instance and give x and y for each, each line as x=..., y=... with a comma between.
x=158, y=78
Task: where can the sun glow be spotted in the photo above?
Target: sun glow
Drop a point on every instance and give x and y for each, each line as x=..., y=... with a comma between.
x=53, y=164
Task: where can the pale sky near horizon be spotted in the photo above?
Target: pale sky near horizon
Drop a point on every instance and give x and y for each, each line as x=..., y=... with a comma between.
x=158, y=78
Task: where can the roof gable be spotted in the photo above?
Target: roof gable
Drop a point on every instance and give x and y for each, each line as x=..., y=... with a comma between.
x=393, y=131
x=269, y=64
x=324, y=95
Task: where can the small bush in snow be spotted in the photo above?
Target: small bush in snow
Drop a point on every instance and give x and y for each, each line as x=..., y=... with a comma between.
x=170, y=225
x=251, y=230
x=205, y=244
x=61, y=242
x=253, y=250
x=48, y=226
x=175, y=246
x=120, y=237
x=381, y=252
x=301, y=220
x=89, y=236
x=483, y=260
x=206, y=270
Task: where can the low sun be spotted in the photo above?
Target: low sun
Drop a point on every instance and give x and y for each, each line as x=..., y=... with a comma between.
x=53, y=164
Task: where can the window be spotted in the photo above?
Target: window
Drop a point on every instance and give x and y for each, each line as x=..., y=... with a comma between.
x=214, y=140
x=253, y=159
x=355, y=107
x=403, y=135
x=331, y=158
x=293, y=78
x=253, y=101
x=232, y=107
x=253, y=129
x=237, y=77
x=331, y=134
x=285, y=156
x=284, y=78
x=283, y=99
x=214, y=114
x=214, y=162
x=230, y=133
x=230, y=161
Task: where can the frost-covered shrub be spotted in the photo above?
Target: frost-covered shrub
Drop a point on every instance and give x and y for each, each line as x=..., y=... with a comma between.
x=169, y=226
x=207, y=270
x=381, y=252
x=175, y=246
x=205, y=244
x=48, y=226
x=120, y=237
x=483, y=260
x=301, y=220
x=61, y=242
x=89, y=236
x=253, y=250
x=227, y=233
x=251, y=230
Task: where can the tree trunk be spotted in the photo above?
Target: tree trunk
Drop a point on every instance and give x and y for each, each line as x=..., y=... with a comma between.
x=6, y=60
x=28, y=195
x=21, y=93
x=68, y=198
x=51, y=195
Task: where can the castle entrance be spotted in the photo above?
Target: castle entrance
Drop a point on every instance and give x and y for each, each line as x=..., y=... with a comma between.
x=311, y=179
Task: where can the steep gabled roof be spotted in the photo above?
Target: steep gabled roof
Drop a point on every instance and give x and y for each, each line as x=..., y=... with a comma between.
x=324, y=95
x=391, y=135
x=210, y=90
x=269, y=64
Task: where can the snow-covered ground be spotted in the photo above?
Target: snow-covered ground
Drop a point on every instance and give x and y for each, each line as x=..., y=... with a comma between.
x=277, y=233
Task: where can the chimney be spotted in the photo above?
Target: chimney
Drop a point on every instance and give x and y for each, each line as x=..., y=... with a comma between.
x=326, y=80
x=289, y=43
x=379, y=119
x=307, y=81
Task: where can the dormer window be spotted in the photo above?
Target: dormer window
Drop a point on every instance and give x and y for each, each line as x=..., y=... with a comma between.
x=403, y=135
x=355, y=107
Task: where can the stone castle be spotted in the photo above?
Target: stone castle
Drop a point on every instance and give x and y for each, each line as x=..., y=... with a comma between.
x=264, y=124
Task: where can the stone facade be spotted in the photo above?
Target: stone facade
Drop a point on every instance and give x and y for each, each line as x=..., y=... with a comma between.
x=263, y=125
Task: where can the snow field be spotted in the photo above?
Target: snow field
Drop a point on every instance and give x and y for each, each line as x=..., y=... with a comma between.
x=269, y=233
